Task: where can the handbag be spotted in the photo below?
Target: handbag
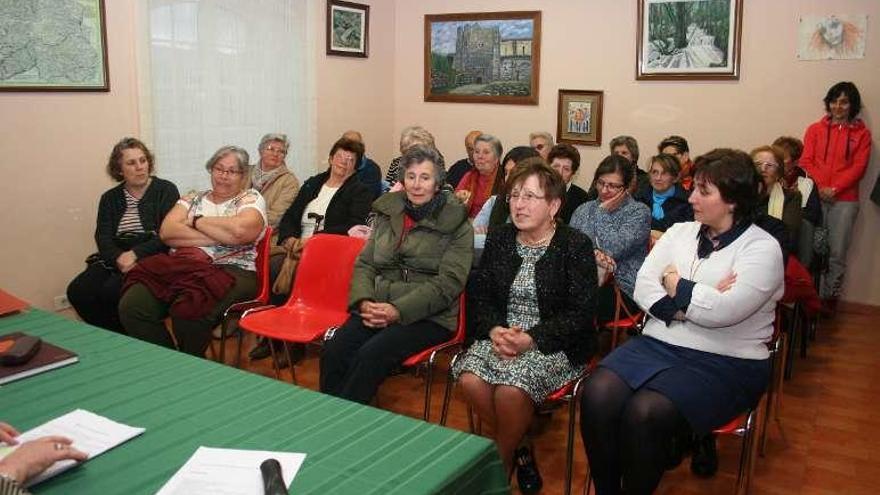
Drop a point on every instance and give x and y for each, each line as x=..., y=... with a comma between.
x=284, y=281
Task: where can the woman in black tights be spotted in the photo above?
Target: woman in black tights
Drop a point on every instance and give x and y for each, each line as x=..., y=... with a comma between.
x=711, y=288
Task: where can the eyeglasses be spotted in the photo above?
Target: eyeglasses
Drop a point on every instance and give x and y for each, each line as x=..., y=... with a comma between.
x=601, y=184
x=272, y=149
x=527, y=197
x=658, y=173
x=766, y=165
x=222, y=171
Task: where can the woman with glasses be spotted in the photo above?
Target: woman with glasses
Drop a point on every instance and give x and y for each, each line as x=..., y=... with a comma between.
x=331, y=202
x=666, y=198
x=775, y=200
x=127, y=231
x=532, y=322
x=213, y=235
x=619, y=227
x=270, y=175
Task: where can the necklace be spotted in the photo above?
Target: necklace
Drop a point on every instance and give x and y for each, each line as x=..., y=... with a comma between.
x=539, y=242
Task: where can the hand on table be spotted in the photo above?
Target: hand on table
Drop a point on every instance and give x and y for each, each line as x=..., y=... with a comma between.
x=32, y=458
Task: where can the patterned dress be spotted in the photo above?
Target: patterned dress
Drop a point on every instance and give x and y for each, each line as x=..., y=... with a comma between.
x=534, y=372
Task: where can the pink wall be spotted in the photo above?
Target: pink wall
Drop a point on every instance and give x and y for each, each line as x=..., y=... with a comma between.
x=591, y=45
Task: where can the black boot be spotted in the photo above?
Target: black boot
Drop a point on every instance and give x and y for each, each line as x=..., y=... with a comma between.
x=527, y=475
x=261, y=350
x=704, y=462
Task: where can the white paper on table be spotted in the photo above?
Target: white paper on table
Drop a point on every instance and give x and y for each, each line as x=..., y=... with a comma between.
x=91, y=433
x=228, y=472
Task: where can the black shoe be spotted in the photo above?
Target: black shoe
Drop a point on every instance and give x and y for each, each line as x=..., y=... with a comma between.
x=527, y=475
x=704, y=462
x=260, y=351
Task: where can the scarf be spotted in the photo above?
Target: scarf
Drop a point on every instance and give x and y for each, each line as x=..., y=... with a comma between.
x=777, y=200
x=260, y=178
x=659, y=199
x=418, y=212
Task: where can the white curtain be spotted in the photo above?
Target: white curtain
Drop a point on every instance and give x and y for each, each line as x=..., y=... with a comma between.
x=226, y=72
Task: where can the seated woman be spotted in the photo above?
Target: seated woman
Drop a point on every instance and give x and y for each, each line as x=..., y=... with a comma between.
x=566, y=159
x=127, y=231
x=711, y=287
x=211, y=266
x=775, y=200
x=532, y=304
x=496, y=212
x=270, y=176
x=406, y=282
x=477, y=185
x=331, y=202
x=667, y=200
x=796, y=179
x=619, y=227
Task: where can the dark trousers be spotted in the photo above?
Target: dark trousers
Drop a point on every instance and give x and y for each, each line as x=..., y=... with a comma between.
x=94, y=294
x=143, y=315
x=358, y=359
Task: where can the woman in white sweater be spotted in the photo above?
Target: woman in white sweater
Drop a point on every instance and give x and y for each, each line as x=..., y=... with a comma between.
x=711, y=288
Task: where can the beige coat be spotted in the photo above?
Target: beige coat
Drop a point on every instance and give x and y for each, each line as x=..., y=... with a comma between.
x=279, y=193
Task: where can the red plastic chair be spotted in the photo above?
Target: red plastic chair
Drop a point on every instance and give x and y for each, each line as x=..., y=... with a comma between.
x=262, y=298
x=319, y=299
x=426, y=358
x=624, y=320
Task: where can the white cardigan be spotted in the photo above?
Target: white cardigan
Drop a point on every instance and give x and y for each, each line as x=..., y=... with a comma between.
x=738, y=322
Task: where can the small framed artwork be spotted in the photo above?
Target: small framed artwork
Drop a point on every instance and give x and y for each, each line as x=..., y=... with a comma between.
x=348, y=29
x=688, y=39
x=487, y=57
x=579, y=117
x=60, y=46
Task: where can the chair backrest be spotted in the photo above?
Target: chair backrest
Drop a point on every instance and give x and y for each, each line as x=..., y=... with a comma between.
x=323, y=275
x=461, y=327
x=262, y=262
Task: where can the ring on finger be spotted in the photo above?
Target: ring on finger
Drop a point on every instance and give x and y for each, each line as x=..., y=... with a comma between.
x=60, y=446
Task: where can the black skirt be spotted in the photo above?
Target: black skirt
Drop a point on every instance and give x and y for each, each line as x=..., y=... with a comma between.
x=708, y=389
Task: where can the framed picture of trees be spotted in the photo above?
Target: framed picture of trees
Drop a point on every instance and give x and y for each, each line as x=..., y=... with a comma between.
x=688, y=39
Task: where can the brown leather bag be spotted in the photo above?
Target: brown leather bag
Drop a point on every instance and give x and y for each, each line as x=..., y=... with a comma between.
x=284, y=281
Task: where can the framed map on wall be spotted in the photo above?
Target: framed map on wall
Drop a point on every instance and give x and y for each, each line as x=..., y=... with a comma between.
x=53, y=45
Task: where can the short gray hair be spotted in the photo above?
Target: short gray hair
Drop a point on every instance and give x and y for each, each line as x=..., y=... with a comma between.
x=631, y=144
x=416, y=135
x=493, y=141
x=546, y=135
x=242, y=158
x=268, y=138
x=418, y=154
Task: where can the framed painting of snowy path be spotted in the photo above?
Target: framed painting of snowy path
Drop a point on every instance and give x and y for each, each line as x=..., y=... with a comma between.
x=688, y=39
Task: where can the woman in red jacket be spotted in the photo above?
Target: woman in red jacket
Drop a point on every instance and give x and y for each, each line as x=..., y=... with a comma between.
x=836, y=152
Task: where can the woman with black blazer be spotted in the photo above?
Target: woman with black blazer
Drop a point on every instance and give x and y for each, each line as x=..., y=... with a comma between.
x=664, y=195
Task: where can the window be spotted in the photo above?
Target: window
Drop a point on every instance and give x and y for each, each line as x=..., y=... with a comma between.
x=226, y=72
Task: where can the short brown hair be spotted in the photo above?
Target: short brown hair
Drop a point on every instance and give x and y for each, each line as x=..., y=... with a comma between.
x=791, y=145
x=733, y=173
x=349, y=145
x=670, y=163
x=564, y=150
x=550, y=180
x=778, y=155
x=114, y=163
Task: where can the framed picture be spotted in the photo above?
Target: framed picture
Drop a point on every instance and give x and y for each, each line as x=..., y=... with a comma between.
x=491, y=57
x=60, y=46
x=688, y=39
x=348, y=29
x=579, y=117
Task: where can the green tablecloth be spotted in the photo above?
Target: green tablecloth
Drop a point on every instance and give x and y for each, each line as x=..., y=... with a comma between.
x=185, y=402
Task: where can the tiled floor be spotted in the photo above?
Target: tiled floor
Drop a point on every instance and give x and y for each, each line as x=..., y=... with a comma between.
x=827, y=441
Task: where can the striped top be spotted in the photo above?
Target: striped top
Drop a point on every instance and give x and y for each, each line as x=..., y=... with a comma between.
x=131, y=219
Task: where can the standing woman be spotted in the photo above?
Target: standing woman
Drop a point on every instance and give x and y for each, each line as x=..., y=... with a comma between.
x=406, y=282
x=532, y=303
x=477, y=185
x=711, y=287
x=129, y=216
x=836, y=153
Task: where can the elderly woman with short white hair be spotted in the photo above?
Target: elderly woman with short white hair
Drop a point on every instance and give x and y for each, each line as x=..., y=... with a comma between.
x=277, y=184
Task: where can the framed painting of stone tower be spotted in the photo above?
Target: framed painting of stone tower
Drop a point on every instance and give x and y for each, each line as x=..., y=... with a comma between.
x=486, y=57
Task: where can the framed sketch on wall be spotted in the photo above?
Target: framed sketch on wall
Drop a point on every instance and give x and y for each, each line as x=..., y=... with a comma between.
x=348, y=29
x=579, y=117
x=490, y=57
x=688, y=39
x=60, y=46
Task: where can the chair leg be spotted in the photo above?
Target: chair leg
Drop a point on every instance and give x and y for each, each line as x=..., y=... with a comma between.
x=429, y=382
x=289, y=361
x=274, y=362
x=447, y=393
x=746, y=459
x=771, y=393
x=569, y=452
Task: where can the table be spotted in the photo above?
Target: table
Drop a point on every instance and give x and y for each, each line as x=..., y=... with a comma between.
x=184, y=402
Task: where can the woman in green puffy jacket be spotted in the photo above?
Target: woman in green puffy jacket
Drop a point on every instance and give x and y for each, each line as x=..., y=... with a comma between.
x=406, y=283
